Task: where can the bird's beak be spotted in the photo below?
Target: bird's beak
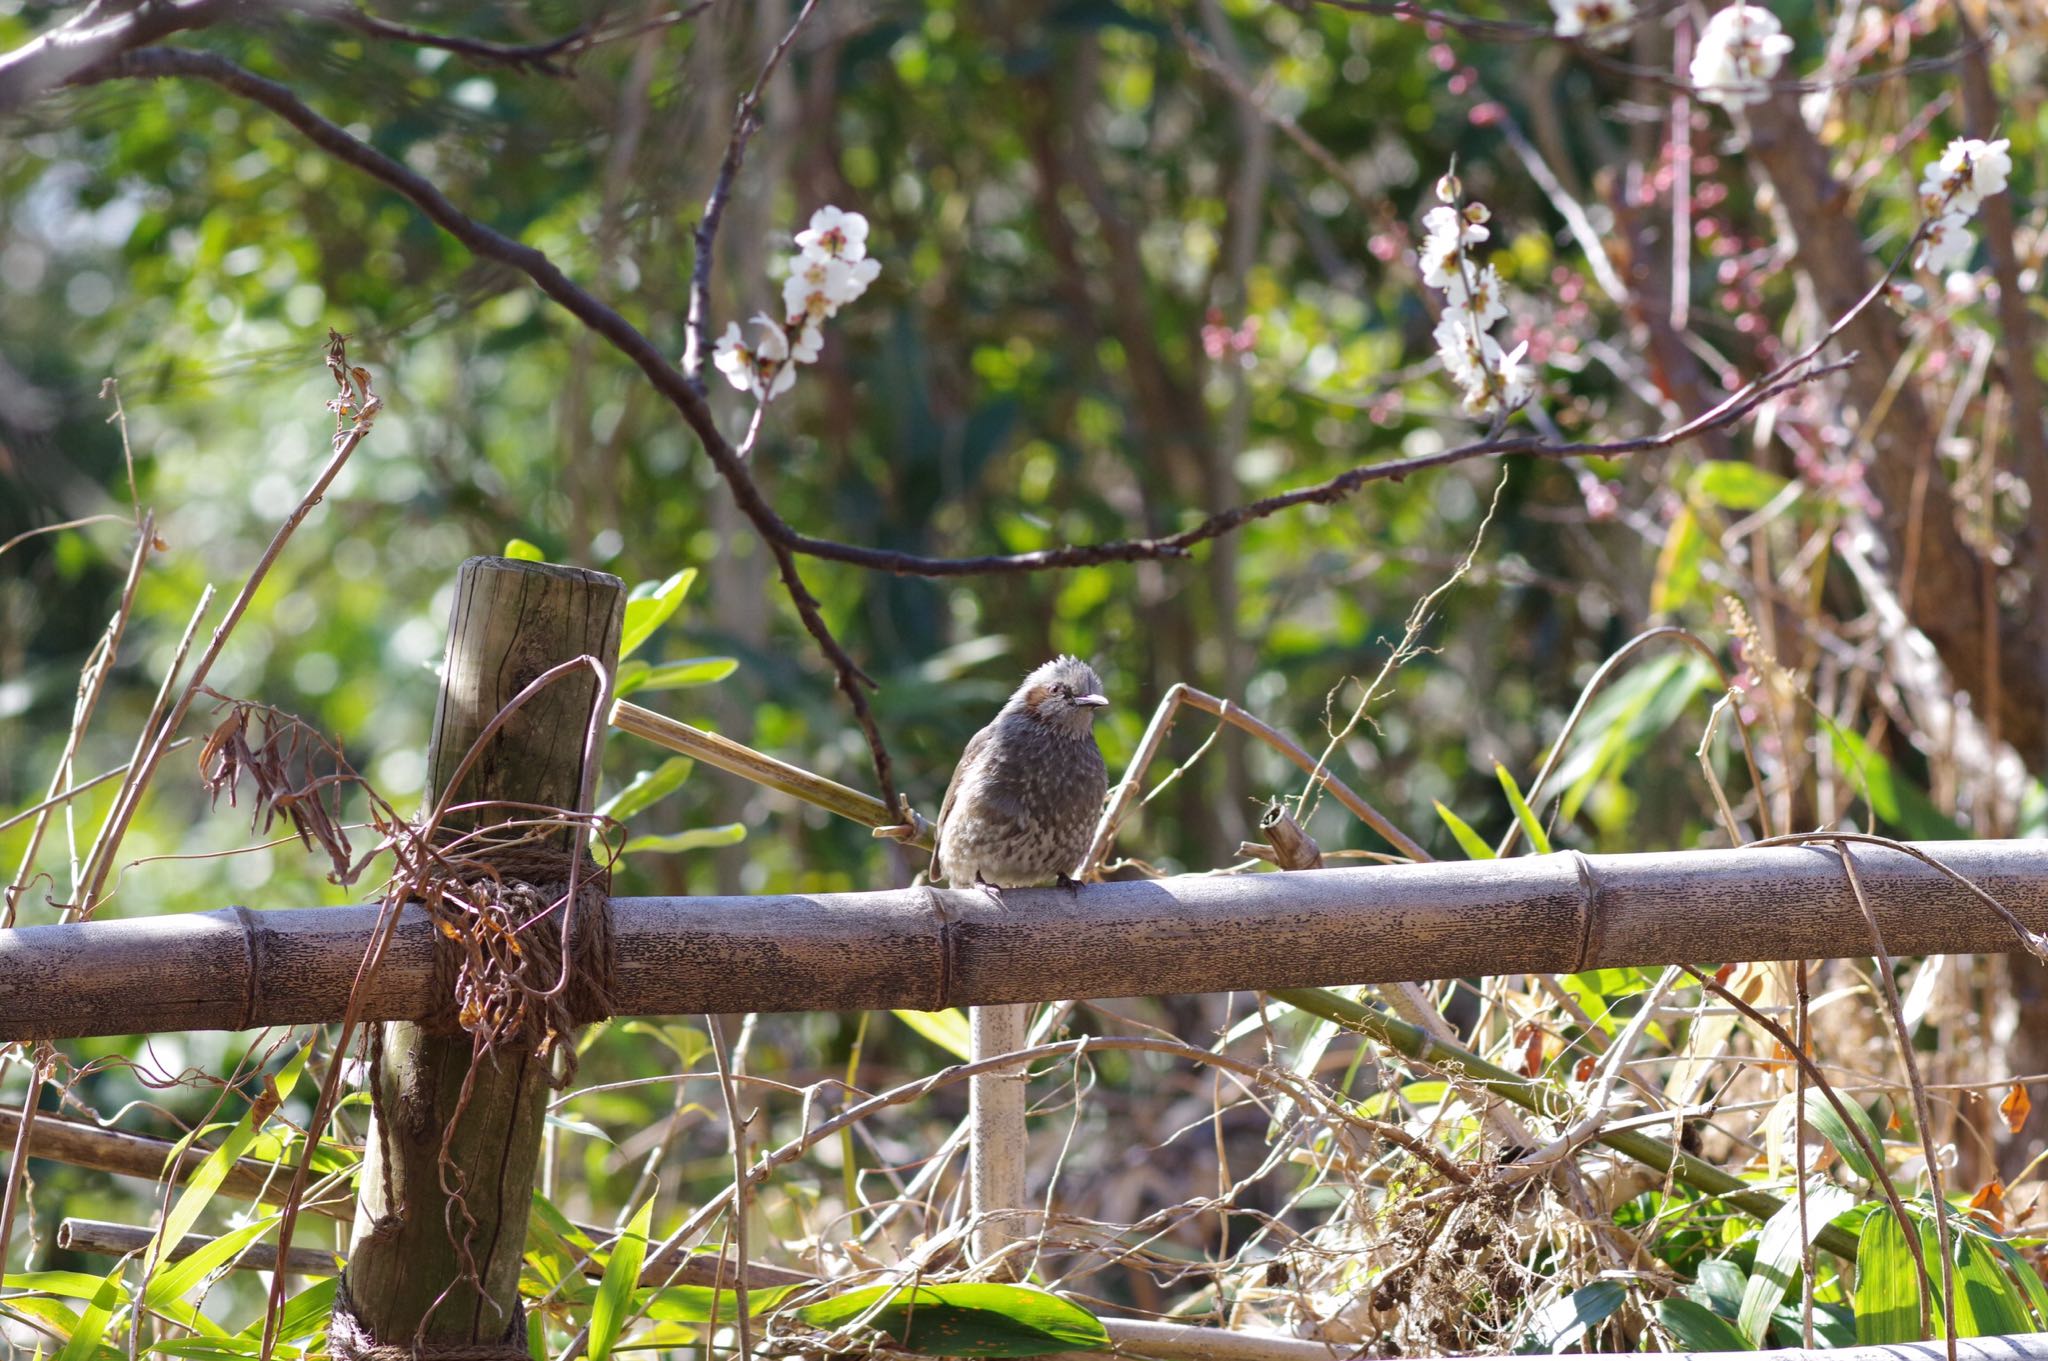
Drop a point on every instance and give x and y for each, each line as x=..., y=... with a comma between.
x=1090, y=701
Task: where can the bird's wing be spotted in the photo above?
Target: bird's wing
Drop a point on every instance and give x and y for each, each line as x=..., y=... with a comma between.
x=967, y=759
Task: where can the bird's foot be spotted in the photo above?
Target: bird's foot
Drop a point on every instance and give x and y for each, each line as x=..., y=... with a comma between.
x=1069, y=883
x=995, y=894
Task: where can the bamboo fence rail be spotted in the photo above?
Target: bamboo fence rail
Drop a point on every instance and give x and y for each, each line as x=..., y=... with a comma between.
x=928, y=948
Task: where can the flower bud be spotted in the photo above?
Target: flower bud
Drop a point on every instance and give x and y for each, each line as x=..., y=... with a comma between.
x=1448, y=189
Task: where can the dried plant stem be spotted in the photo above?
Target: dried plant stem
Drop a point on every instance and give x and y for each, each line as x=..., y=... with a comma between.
x=722, y=1052
x=91, y=682
x=130, y=798
x=1125, y=793
x=1532, y=1095
x=143, y=735
x=17, y=1163
x=1923, y=1113
x=75, y=790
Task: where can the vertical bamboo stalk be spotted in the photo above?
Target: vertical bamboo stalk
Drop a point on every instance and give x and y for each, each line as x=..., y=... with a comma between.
x=996, y=1153
x=438, y=1237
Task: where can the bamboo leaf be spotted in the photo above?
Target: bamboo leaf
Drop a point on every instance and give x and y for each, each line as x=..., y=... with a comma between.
x=965, y=1319
x=1734, y=486
x=695, y=839
x=207, y=1178
x=175, y=1280
x=1887, y=1285
x=676, y=675
x=1698, y=1328
x=696, y=1303
x=1563, y=1322
x=92, y=1324
x=947, y=1029
x=647, y=788
x=1471, y=842
x=1779, y=1254
x=1531, y=827
x=1821, y=1114
x=614, y=1300
x=2029, y=1279
x=650, y=608
x=1988, y=1302
x=304, y=1315
x=73, y=1285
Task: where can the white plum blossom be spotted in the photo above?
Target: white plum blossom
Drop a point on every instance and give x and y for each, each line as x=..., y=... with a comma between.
x=1602, y=23
x=1739, y=52
x=1947, y=245
x=1968, y=172
x=830, y=269
x=764, y=369
x=1476, y=289
x=1494, y=382
x=1447, y=231
x=1952, y=189
x=835, y=233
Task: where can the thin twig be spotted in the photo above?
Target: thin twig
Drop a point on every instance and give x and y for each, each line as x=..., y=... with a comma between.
x=721, y=1052
x=746, y=121
x=1923, y=1112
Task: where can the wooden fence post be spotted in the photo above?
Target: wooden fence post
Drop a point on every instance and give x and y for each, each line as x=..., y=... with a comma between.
x=425, y=1266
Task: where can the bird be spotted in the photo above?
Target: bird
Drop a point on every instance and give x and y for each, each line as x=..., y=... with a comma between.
x=1023, y=801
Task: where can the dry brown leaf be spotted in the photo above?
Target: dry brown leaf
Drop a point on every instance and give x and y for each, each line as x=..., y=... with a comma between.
x=2016, y=1108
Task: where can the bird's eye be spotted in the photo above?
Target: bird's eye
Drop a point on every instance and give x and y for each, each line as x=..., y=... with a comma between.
x=1062, y=691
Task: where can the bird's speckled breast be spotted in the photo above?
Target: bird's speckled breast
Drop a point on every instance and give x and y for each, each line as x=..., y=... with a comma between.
x=1023, y=815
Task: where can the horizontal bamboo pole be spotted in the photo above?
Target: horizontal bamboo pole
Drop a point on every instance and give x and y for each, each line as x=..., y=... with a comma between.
x=118, y=1240
x=927, y=948
x=78, y=1144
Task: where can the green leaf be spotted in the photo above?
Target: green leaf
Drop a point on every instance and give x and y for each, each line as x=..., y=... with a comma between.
x=305, y=1315
x=181, y=1276
x=73, y=1285
x=520, y=550
x=1988, y=1302
x=207, y=1177
x=647, y=788
x=1887, y=1284
x=621, y=1277
x=1698, y=1328
x=92, y=1324
x=676, y=675
x=1563, y=1322
x=1896, y=800
x=1779, y=1254
x=1623, y=719
x=1473, y=844
x=1821, y=1114
x=695, y=839
x=1734, y=486
x=947, y=1029
x=1677, y=579
x=2029, y=1279
x=650, y=608
x=1531, y=828
x=1834, y=1324
x=695, y=1303
x=965, y=1319
x=1720, y=1286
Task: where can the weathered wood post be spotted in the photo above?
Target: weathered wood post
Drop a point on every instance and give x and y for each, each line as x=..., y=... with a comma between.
x=440, y=1222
